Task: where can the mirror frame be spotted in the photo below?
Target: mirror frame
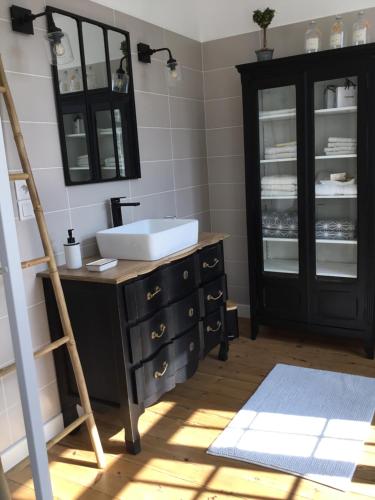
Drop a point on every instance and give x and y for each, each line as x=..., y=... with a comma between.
x=89, y=100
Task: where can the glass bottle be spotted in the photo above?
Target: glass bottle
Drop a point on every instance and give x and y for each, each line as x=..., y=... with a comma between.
x=336, y=40
x=313, y=38
x=75, y=81
x=64, y=83
x=360, y=30
x=91, y=78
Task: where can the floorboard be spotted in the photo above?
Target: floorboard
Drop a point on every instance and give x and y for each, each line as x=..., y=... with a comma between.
x=177, y=431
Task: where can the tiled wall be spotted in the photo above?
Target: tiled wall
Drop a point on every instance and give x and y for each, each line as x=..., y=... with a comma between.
x=224, y=134
x=173, y=155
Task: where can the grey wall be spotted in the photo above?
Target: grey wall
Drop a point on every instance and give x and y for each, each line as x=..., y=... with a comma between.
x=173, y=156
x=224, y=133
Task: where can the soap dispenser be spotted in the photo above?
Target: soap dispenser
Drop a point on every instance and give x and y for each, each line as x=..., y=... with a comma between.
x=73, y=257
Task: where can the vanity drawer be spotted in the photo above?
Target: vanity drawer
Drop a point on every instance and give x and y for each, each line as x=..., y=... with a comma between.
x=148, y=336
x=213, y=330
x=182, y=277
x=145, y=296
x=156, y=376
x=211, y=262
x=174, y=363
x=213, y=295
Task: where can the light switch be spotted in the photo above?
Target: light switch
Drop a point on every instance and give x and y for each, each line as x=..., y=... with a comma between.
x=22, y=192
x=25, y=209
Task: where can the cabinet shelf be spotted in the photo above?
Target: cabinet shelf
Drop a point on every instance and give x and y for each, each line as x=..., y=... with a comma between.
x=320, y=241
x=291, y=113
x=334, y=157
x=332, y=269
x=278, y=160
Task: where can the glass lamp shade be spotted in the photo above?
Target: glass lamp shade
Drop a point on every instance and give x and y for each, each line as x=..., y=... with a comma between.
x=120, y=81
x=173, y=74
x=60, y=49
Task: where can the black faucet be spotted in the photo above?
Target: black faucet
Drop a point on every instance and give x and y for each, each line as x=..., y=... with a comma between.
x=116, y=210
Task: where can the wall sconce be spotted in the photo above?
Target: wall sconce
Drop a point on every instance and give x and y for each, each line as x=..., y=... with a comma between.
x=120, y=79
x=173, y=69
x=60, y=48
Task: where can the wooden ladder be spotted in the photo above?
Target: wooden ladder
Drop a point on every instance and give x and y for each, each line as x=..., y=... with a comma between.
x=49, y=259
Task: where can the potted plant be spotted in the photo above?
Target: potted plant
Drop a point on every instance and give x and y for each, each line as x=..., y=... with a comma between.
x=263, y=19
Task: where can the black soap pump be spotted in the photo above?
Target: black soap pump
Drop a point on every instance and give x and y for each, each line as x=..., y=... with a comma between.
x=72, y=249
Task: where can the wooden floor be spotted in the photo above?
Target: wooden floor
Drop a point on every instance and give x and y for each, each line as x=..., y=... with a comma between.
x=177, y=431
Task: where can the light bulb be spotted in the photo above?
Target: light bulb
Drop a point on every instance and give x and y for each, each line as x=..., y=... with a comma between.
x=174, y=74
x=59, y=49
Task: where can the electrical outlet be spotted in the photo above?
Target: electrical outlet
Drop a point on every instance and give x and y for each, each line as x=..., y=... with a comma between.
x=25, y=209
x=22, y=192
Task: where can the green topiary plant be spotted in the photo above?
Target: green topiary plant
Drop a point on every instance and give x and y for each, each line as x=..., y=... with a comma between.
x=263, y=19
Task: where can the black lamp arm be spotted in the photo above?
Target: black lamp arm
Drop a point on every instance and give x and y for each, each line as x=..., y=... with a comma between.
x=153, y=51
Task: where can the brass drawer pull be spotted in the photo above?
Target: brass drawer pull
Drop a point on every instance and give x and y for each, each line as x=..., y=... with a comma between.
x=158, y=335
x=206, y=265
x=212, y=297
x=151, y=295
x=214, y=330
x=162, y=373
x=191, y=312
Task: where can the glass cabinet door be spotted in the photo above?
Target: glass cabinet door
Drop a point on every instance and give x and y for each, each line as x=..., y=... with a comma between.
x=278, y=167
x=75, y=129
x=335, y=112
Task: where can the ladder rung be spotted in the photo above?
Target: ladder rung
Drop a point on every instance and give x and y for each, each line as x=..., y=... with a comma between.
x=79, y=421
x=35, y=262
x=18, y=176
x=37, y=354
x=3, y=90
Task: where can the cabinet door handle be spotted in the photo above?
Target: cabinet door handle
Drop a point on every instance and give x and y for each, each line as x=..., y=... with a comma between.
x=163, y=370
x=185, y=274
x=151, y=295
x=206, y=265
x=191, y=312
x=212, y=297
x=160, y=333
x=214, y=330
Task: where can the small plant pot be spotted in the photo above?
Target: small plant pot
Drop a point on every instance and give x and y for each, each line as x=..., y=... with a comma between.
x=264, y=54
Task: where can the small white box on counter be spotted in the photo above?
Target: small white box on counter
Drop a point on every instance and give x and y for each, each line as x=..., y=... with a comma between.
x=346, y=96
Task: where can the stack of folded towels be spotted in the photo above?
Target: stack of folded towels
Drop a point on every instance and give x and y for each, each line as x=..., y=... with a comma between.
x=335, y=229
x=279, y=185
x=83, y=161
x=280, y=225
x=341, y=146
x=111, y=162
x=338, y=184
x=279, y=151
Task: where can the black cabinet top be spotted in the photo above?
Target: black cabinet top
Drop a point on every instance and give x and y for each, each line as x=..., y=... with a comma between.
x=306, y=61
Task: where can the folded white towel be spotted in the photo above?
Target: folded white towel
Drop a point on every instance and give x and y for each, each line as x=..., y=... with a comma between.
x=278, y=112
x=281, y=149
x=340, y=149
x=279, y=179
x=345, y=140
x=274, y=193
x=334, y=189
x=283, y=144
x=343, y=152
x=279, y=156
x=288, y=188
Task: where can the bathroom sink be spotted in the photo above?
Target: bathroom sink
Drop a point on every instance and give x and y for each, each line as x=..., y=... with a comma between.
x=149, y=239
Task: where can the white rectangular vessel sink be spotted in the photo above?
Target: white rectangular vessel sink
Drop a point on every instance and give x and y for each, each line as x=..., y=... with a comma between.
x=149, y=239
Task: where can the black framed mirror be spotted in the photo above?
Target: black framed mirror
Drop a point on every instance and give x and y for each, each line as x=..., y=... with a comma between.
x=95, y=102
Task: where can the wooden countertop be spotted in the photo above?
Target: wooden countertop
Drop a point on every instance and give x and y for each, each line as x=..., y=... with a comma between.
x=129, y=269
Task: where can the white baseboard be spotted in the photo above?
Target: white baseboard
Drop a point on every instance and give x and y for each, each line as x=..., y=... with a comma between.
x=243, y=310
x=18, y=451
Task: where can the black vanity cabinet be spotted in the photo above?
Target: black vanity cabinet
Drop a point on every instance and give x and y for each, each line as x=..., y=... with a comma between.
x=141, y=328
x=309, y=153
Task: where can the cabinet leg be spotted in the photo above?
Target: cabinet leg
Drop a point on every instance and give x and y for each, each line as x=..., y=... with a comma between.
x=224, y=350
x=132, y=437
x=369, y=349
x=254, y=329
